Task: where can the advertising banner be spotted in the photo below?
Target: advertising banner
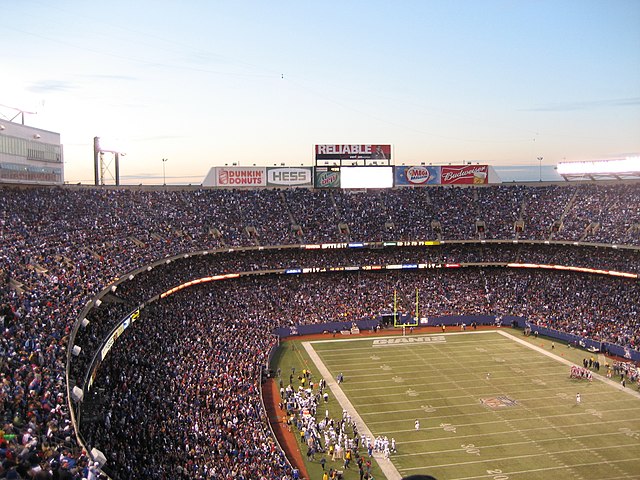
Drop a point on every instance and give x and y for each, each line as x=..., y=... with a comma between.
x=353, y=152
x=290, y=177
x=464, y=174
x=327, y=177
x=416, y=176
x=241, y=177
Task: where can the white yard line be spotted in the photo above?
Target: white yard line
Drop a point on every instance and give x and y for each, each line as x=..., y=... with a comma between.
x=386, y=466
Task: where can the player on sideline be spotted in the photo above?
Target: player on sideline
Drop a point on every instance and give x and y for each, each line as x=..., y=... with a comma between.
x=417, y=424
x=578, y=399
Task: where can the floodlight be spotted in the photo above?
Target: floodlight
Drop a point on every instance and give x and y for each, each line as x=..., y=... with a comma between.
x=629, y=164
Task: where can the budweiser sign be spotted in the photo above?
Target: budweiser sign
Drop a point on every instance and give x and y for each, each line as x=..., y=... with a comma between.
x=466, y=174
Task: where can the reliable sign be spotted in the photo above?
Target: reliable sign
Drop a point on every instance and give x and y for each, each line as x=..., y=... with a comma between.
x=353, y=152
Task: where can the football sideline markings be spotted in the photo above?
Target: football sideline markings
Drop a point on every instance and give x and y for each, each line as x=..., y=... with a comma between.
x=388, y=468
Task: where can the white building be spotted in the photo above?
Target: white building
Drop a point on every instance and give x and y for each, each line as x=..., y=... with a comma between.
x=30, y=155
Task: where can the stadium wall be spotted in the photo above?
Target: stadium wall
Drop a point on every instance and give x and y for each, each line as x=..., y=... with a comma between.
x=578, y=341
x=456, y=320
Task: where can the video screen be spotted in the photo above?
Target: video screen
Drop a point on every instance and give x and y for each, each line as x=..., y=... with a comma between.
x=366, y=177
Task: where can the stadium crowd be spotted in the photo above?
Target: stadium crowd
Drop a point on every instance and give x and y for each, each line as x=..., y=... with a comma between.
x=181, y=394
x=60, y=246
x=180, y=351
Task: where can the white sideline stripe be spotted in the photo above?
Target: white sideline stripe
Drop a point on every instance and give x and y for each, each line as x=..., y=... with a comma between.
x=568, y=363
x=511, y=457
x=555, y=468
x=388, y=469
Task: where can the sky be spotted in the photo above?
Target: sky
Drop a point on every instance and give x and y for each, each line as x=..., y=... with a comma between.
x=206, y=83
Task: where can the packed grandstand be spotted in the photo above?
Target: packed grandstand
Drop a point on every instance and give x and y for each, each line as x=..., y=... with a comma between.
x=77, y=261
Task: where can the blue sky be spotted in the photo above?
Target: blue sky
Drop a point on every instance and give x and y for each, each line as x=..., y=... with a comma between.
x=206, y=83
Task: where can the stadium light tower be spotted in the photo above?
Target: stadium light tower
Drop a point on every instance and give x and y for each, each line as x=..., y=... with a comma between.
x=164, y=175
x=540, y=161
x=101, y=167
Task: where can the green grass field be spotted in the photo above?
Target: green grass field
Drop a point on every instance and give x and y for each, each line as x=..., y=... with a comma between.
x=521, y=421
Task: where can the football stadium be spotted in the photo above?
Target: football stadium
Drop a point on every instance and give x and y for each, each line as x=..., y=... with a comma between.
x=467, y=330
x=320, y=240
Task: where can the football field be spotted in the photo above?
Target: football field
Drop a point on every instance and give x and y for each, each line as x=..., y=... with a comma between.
x=489, y=406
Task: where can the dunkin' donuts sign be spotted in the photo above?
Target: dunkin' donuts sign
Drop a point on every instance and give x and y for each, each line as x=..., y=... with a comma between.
x=241, y=177
x=464, y=175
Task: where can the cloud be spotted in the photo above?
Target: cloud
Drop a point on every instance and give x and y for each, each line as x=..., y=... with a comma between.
x=587, y=105
x=45, y=86
x=127, y=78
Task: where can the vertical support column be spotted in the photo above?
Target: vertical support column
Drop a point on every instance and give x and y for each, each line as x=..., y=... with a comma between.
x=117, y=155
x=96, y=153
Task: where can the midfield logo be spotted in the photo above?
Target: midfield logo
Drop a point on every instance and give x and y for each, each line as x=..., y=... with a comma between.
x=381, y=342
x=498, y=402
